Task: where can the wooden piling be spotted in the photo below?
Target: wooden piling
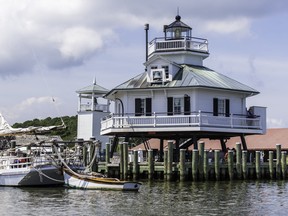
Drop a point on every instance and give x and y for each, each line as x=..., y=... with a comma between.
x=13, y=144
x=125, y=160
x=121, y=160
x=165, y=163
x=195, y=162
x=107, y=153
x=92, y=153
x=238, y=160
x=107, y=158
x=150, y=164
x=170, y=160
x=84, y=152
x=278, y=161
x=217, y=164
x=205, y=165
x=135, y=165
x=257, y=165
x=182, y=170
x=284, y=165
x=244, y=164
x=271, y=164
x=201, y=147
x=231, y=164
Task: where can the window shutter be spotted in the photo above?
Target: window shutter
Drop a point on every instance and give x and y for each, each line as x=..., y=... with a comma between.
x=227, y=107
x=215, y=106
x=187, y=109
x=170, y=106
x=148, y=107
x=138, y=107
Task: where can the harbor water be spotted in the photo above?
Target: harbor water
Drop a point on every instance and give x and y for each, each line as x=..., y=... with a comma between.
x=154, y=198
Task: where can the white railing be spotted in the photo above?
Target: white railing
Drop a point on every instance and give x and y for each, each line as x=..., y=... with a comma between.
x=197, y=120
x=99, y=107
x=193, y=44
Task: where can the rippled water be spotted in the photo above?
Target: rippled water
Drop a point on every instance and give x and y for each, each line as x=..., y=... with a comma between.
x=154, y=198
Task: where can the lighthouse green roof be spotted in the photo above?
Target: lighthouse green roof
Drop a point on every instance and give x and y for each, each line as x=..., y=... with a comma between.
x=189, y=76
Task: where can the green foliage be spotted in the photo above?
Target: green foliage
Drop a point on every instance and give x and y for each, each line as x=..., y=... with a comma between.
x=69, y=133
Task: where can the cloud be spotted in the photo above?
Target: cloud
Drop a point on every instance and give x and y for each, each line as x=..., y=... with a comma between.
x=34, y=101
x=63, y=33
x=30, y=108
x=239, y=26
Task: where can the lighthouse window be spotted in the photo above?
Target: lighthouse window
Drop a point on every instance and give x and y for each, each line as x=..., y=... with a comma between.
x=143, y=106
x=221, y=107
x=178, y=105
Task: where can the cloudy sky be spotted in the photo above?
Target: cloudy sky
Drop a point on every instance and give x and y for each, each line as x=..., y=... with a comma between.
x=51, y=48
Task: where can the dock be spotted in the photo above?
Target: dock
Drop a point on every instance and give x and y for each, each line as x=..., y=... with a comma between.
x=198, y=167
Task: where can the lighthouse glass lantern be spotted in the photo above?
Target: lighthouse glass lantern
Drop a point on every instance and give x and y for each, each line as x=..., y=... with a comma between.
x=177, y=30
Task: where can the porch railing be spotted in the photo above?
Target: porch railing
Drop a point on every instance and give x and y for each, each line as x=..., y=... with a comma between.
x=199, y=119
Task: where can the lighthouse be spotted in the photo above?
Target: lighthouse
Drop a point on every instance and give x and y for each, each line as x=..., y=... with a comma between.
x=177, y=97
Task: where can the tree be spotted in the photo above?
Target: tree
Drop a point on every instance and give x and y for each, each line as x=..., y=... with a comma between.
x=69, y=133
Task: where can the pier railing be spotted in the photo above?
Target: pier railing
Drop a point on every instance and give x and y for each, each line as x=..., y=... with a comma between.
x=199, y=119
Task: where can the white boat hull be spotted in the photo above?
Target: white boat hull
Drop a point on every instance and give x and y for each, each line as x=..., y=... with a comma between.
x=74, y=181
x=28, y=176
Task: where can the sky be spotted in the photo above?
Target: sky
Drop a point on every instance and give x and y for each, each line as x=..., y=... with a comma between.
x=51, y=48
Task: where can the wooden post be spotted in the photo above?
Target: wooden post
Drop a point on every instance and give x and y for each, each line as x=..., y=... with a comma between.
x=238, y=160
x=231, y=164
x=107, y=155
x=121, y=160
x=13, y=144
x=84, y=155
x=135, y=165
x=125, y=160
x=283, y=163
x=244, y=164
x=165, y=163
x=217, y=164
x=182, y=164
x=195, y=161
x=278, y=161
x=170, y=160
x=107, y=158
x=201, y=146
x=257, y=165
x=150, y=164
x=271, y=164
x=92, y=152
x=206, y=165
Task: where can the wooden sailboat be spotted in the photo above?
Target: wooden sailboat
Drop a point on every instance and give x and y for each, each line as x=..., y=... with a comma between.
x=85, y=181
x=73, y=178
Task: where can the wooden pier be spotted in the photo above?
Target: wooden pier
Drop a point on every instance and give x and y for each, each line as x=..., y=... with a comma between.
x=199, y=167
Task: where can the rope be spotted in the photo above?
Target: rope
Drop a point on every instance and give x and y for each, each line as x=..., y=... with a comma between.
x=43, y=174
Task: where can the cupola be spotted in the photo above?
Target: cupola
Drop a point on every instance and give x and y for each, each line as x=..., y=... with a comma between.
x=177, y=30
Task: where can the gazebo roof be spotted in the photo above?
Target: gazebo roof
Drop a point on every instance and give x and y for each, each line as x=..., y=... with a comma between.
x=94, y=88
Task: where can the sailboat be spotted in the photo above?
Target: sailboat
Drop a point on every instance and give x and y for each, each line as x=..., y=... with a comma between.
x=85, y=179
x=27, y=165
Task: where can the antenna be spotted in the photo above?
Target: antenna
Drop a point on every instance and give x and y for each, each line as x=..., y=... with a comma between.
x=146, y=28
x=178, y=11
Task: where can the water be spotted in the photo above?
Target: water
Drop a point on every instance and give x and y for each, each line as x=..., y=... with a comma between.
x=154, y=198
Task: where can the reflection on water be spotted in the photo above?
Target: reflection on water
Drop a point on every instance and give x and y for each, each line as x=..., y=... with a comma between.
x=154, y=198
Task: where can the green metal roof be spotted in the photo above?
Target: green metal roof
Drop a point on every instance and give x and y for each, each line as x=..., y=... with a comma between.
x=189, y=76
x=92, y=88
